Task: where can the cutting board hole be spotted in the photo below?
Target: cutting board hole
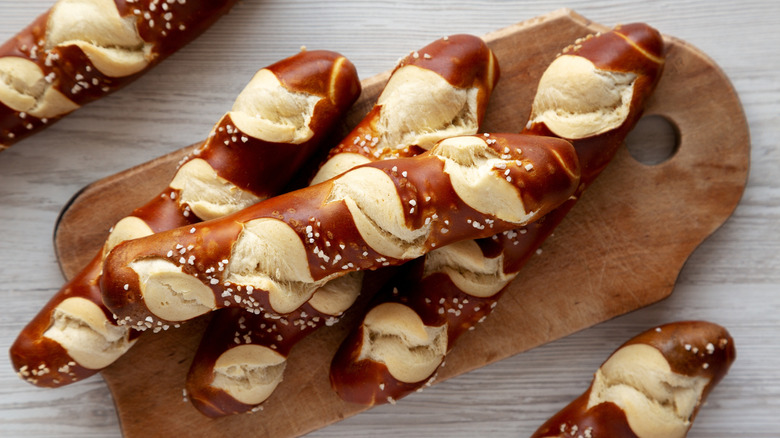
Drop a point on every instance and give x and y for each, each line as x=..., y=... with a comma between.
x=654, y=140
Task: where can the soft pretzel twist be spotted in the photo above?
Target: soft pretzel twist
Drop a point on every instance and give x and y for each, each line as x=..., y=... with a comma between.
x=653, y=386
x=592, y=95
x=436, y=92
x=81, y=50
x=279, y=120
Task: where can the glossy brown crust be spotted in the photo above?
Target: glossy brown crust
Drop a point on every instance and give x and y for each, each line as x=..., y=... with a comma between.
x=252, y=164
x=33, y=351
x=464, y=61
x=42, y=361
x=263, y=167
x=636, y=48
x=692, y=348
x=613, y=51
x=421, y=178
x=368, y=382
x=76, y=77
x=602, y=420
x=380, y=389
x=212, y=401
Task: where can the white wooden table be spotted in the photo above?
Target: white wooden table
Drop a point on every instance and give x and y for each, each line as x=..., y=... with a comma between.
x=732, y=279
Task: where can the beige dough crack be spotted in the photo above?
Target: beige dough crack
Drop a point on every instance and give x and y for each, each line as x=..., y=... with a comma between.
x=394, y=335
x=249, y=373
x=468, y=268
x=83, y=330
x=111, y=42
x=657, y=401
x=577, y=100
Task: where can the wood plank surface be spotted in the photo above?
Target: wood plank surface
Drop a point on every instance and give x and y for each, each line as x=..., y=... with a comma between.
x=732, y=278
x=622, y=247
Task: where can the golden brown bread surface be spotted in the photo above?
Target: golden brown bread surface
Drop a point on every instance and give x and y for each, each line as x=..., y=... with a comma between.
x=592, y=94
x=81, y=50
x=435, y=92
x=279, y=120
x=651, y=387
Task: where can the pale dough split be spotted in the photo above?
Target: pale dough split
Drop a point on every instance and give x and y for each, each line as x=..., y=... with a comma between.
x=394, y=335
x=576, y=100
x=468, y=268
x=83, y=330
x=112, y=43
x=657, y=401
x=249, y=373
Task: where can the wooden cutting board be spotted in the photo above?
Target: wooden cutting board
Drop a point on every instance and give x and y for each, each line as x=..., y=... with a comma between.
x=621, y=248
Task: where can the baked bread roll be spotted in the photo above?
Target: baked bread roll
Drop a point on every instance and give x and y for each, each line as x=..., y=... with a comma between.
x=272, y=256
x=277, y=122
x=438, y=91
x=592, y=95
x=81, y=50
x=651, y=387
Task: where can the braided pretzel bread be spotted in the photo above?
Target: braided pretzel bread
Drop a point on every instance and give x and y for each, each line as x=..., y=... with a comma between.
x=651, y=387
x=448, y=83
x=272, y=256
x=592, y=95
x=277, y=122
x=81, y=50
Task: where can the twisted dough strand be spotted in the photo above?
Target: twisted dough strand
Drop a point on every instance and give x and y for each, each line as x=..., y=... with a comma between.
x=271, y=256
x=81, y=50
x=242, y=357
x=652, y=386
x=591, y=95
x=74, y=335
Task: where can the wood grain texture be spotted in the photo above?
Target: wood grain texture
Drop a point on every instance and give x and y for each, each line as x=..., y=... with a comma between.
x=732, y=278
x=628, y=230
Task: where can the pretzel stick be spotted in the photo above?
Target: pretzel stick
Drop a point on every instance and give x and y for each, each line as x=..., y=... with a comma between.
x=81, y=50
x=277, y=122
x=436, y=92
x=272, y=256
x=591, y=95
x=650, y=387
